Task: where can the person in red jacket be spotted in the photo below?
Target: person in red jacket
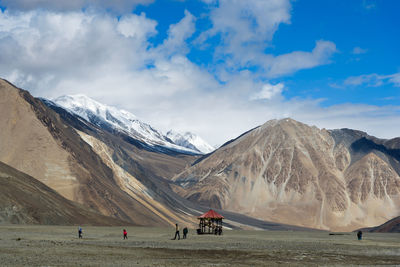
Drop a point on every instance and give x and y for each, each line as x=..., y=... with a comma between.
x=125, y=234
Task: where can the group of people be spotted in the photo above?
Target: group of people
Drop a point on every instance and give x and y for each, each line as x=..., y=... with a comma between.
x=185, y=232
x=125, y=233
x=80, y=233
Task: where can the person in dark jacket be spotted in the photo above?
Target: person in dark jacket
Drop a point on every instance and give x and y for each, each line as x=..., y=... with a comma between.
x=359, y=235
x=80, y=232
x=185, y=231
x=176, y=232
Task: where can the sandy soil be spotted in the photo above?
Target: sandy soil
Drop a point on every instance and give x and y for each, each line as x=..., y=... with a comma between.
x=103, y=246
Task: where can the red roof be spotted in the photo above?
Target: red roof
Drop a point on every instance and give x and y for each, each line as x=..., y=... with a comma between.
x=211, y=214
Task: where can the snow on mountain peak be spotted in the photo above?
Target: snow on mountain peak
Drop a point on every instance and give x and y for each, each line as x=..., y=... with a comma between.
x=190, y=140
x=125, y=121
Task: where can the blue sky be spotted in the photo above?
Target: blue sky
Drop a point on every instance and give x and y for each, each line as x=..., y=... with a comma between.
x=213, y=67
x=366, y=34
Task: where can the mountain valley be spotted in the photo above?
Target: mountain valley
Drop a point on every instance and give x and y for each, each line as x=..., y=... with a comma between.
x=105, y=162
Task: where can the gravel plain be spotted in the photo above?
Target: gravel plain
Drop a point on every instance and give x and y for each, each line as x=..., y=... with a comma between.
x=22, y=245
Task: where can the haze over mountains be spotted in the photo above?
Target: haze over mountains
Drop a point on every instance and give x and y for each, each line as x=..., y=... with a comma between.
x=106, y=161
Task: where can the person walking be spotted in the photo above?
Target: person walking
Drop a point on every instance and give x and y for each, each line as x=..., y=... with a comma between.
x=125, y=234
x=80, y=232
x=359, y=235
x=185, y=231
x=177, y=232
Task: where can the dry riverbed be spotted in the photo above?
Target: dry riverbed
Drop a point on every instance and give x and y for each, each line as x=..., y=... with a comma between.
x=103, y=246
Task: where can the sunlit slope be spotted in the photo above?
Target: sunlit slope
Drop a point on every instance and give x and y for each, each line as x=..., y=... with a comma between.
x=25, y=200
x=36, y=140
x=288, y=172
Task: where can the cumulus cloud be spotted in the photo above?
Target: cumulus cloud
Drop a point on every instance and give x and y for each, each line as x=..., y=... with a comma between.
x=268, y=91
x=177, y=35
x=40, y=49
x=245, y=27
x=120, y=6
x=112, y=60
x=246, y=22
x=292, y=62
x=245, y=30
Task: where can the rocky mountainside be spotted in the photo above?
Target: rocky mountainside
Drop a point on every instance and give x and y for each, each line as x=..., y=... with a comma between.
x=112, y=174
x=108, y=171
x=288, y=172
x=25, y=200
x=113, y=119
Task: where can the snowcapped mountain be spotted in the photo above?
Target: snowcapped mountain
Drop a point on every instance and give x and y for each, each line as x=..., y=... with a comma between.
x=191, y=141
x=121, y=120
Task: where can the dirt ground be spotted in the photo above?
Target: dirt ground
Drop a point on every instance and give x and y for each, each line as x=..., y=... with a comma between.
x=103, y=246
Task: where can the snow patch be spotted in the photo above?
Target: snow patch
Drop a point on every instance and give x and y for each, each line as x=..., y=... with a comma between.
x=124, y=121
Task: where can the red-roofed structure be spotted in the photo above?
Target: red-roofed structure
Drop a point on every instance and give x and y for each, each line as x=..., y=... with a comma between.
x=210, y=223
x=212, y=214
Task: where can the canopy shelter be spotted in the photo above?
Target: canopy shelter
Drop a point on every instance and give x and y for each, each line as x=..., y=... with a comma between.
x=210, y=223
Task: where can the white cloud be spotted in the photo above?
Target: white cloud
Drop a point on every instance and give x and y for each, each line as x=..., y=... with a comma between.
x=94, y=53
x=373, y=80
x=177, y=35
x=298, y=60
x=43, y=47
x=358, y=50
x=120, y=6
x=395, y=79
x=246, y=29
x=210, y=1
x=137, y=27
x=368, y=4
x=268, y=91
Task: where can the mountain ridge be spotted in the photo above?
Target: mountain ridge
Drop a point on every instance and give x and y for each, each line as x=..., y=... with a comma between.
x=71, y=166
x=114, y=119
x=287, y=171
x=283, y=171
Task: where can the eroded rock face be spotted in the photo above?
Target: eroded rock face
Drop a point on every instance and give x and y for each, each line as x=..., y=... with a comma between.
x=27, y=145
x=288, y=172
x=99, y=174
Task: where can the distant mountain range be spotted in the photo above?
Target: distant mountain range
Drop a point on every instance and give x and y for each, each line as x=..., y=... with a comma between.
x=115, y=119
x=101, y=165
x=57, y=167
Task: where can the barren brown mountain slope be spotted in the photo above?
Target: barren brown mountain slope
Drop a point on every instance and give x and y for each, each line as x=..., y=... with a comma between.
x=391, y=226
x=98, y=167
x=25, y=200
x=289, y=172
x=36, y=140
